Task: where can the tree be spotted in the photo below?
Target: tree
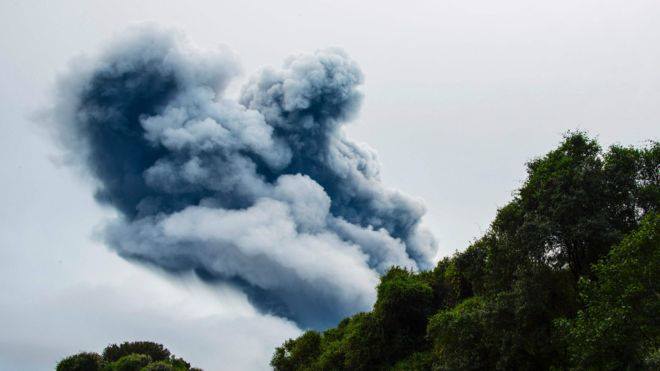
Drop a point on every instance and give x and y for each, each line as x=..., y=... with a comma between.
x=131, y=362
x=619, y=326
x=419, y=361
x=160, y=366
x=298, y=354
x=401, y=310
x=510, y=300
x=459, y=338
x=85, y=361
x=577, y=201
x=365, y=344
x=156, y=351
x=128, y=356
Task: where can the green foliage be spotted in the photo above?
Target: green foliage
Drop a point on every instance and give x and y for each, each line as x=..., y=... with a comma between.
x=619, y=325
x=179, y=363
x=420, y=361
x=367, y=341
x=161, y=366
x=81, y=362
x=364, y=343
x=131, y=362
x=576, y=203
x=128, y=356
x=401, y=311
x=297, y=354
x=459, y=338
x=519, y=321
x=566, y=277
x=652, y=360
x=156, y=351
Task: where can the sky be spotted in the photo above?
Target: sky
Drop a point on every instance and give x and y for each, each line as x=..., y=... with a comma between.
x=458, y=95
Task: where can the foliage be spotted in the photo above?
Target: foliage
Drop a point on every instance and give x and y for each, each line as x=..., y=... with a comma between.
x=566, y=277
x=420, y=361
x=619, y=325
x=81, y=362
x=458, y=336
x=128, y=356
x=156, y=351
x=296, y=354
x=131, y=362
x=403, y=306
x=160, y=366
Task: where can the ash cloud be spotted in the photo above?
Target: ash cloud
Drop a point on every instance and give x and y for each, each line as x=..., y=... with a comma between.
x=265, y=191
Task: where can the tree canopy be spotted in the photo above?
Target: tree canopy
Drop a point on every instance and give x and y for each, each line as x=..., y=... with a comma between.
x=127, y=356
x=566, y=277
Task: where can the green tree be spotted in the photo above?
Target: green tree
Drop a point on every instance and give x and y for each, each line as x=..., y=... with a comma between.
x=619, y=327
x=161, y=366
x=401, y=310
x=128, y=356
x=156, y=351
x=495, y=304
x=365, y=344
x=131, y=362
x=298, y=354
x=459, y=337
x=85, y=361
x=419, y=361
x=578, y=201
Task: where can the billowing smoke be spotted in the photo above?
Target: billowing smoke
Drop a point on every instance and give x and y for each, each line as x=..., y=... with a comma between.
x=266, y=191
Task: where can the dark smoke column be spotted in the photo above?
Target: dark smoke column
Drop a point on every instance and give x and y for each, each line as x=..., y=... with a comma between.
x=267, y=193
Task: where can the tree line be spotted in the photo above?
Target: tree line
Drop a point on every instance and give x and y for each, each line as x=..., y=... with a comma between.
x=566, y=277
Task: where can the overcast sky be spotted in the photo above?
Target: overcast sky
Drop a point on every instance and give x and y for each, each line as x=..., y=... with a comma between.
x=458, y=96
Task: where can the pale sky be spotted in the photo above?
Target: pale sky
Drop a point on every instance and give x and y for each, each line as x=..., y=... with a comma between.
x=458, y=96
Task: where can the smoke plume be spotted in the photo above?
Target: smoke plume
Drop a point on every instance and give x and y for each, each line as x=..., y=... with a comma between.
x=266, y=191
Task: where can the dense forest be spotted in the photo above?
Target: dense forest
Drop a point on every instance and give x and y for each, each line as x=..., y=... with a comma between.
x=566, y=277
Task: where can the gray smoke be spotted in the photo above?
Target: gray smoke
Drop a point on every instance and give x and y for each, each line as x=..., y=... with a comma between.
x=266, y=192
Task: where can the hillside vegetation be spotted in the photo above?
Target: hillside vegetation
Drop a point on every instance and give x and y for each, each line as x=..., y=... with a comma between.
x=566, y=277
